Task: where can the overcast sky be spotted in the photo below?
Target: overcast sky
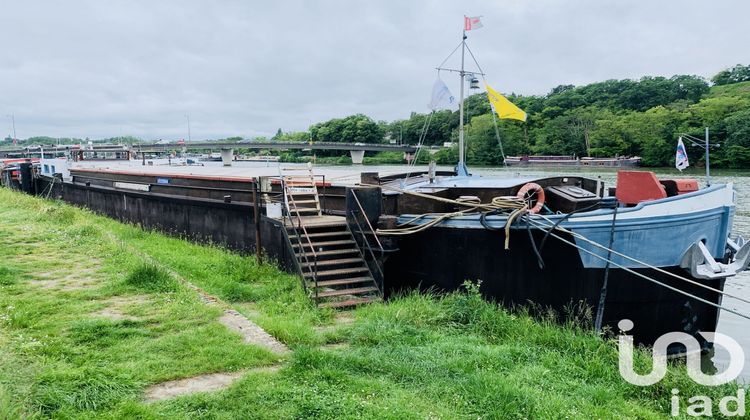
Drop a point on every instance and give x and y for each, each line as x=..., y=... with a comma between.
x=109, y=68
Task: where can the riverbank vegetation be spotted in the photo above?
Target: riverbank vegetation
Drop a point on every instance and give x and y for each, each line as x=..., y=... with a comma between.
x=616, y=117
x=91, y=317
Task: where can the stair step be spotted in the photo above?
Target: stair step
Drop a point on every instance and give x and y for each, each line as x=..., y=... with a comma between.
x=336, y=252
x=334, y=262
x=304, y=209
x=326, y=243
x=313, y=228
x=298, y=202
x=328, y=234
x=339, y=272
x=326, y=225
x=307, y=179
x=311, y=184
x=349, y=302
x=342, y=282
x=344, y=292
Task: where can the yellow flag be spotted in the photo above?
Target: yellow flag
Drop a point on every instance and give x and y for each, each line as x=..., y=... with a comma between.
x=504, y=108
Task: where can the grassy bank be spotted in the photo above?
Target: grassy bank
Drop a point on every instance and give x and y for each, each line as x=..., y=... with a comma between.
x=86, y=326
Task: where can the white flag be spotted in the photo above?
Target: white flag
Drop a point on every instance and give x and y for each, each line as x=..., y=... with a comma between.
x=680, y=158
x=441, y=96
x=472, y=23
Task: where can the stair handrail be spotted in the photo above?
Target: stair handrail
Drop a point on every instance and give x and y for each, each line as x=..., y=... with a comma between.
x=365, y=240
x=314, y=267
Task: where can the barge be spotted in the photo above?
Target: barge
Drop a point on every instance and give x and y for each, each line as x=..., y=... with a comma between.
x=655, y=251
x=573, y=161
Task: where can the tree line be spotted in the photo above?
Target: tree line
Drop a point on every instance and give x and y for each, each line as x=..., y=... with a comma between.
x=626, y=117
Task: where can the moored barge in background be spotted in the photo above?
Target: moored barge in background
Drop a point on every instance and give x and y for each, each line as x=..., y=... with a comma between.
x=574, y=161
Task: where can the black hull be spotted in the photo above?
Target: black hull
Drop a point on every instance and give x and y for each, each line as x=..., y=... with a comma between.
x=443, y=258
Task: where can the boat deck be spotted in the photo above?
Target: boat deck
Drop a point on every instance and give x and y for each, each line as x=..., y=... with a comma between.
x=345, y=175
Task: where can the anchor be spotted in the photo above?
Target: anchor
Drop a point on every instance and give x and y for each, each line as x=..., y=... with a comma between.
x=702, y=265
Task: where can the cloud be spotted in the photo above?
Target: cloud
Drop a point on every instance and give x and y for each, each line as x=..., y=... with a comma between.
x=99, y=69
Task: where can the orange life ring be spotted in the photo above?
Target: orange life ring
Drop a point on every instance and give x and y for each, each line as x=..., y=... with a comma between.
x=539, y=196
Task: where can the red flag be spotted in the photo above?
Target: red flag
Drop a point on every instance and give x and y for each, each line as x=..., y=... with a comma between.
x=472, y=23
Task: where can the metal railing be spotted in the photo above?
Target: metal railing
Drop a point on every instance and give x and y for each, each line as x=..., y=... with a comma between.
x=356, y=214
x=311, y=267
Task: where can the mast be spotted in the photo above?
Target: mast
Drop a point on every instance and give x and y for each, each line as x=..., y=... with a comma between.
x=461, y=168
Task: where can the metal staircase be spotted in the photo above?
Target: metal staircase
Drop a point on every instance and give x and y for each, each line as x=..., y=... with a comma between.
x=332, y=266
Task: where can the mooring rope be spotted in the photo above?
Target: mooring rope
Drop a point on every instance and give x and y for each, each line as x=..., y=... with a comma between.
x=643, y=276
x=422, y=137
x=605, y=283
x=637, y=261
x=516, y=205
x=506, y=202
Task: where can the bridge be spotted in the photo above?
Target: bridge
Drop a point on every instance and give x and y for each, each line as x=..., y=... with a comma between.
x=357, y=150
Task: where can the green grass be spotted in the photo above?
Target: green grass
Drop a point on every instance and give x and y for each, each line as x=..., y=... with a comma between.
x=417, y=356
x=741, y=90
x=151, y=278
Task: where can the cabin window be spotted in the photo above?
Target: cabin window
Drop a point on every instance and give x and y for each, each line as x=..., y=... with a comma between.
x=46, y=169
x=53, y=169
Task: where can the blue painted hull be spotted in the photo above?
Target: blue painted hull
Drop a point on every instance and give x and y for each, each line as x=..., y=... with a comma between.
x=659, y=242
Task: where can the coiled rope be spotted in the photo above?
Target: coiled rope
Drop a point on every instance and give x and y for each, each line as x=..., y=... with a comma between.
x=514, y=205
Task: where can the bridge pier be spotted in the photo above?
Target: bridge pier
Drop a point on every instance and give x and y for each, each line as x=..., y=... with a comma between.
x=226, y=156
x=358, y=156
